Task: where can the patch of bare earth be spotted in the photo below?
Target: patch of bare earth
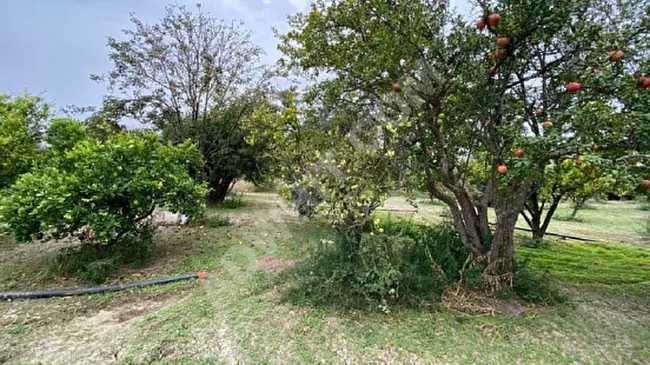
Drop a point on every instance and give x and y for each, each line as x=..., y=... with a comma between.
x=274, y=263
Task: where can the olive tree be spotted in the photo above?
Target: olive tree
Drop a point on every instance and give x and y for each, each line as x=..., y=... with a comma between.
x=191, y=76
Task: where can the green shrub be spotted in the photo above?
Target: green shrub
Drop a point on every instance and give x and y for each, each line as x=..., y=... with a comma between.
x=536, y=288
x=94, y=263
x=234, y=201
x=103, y=190
x=217, y=221
x=407, y=264
x=89, y=263
x=136, y=248
x=568, y=218
x=97, y=271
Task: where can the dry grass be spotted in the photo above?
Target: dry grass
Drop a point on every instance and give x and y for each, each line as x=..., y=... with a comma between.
x=234, y=318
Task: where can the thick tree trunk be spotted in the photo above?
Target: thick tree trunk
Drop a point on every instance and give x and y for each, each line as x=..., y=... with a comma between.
x=501, y=263
x=495, y=249
x=219, y=188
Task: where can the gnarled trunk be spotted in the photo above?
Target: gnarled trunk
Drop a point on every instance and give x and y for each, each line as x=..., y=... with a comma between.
x=501, y=262
x=495, y=249
x=219, y=188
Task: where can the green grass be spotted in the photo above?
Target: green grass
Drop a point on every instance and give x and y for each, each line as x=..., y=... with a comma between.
x=610, y=221
x=237, y=315
x=604, y=265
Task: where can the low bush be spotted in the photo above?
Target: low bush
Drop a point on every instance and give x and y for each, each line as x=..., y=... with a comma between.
x=234, y=201
x=94, y=263
x=568, y=218
x=407, y=264
x=217, y=221
x=536, y=288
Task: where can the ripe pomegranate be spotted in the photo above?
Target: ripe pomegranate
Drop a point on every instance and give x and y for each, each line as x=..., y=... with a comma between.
x=643, y=82
x=645, y=183
x=502, y=169
x=519, y=152
x=573, y=87
x=499, y=55
x=493, y=70
x=538, y=112
x=202, y=275
x=616, y=55
x=494, y=19
x=503, y=42
x=480, y=24
x=396, y=87
x=595, y=148
x=548, y=124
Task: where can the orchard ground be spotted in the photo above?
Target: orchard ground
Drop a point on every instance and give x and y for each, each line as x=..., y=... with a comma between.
x=237, y=316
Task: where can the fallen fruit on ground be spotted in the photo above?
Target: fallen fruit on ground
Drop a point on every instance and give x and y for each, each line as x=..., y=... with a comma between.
x=616, y=55
x=643, y=82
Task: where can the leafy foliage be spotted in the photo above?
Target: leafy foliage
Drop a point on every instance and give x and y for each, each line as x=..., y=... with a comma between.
x=219, y=221
x=454, y=100
x=405, y=264
x=328, y=168
x=21, y=123
x=222, y=142
x=100, y=191
x=536, y=288
x=62, y=135
x=94, y=264
x=193, y=77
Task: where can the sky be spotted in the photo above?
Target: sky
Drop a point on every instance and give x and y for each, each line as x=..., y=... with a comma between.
x=50, y=47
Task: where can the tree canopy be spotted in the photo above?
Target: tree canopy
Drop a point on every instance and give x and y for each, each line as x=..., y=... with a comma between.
x=192, y=76
x=21, y=121
x=101, y=190
x=545, y=78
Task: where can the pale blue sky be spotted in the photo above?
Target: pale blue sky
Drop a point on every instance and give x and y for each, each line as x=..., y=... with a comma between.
x=50, y=47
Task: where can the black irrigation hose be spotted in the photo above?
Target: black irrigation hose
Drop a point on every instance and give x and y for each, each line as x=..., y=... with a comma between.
x=94, y=290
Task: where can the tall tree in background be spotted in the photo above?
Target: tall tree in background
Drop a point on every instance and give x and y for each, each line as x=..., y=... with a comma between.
x=21, y=121
x=191, y=76
x=537, y=81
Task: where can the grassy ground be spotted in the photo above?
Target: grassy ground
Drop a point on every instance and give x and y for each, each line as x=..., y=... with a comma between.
x=236, y=316
x=610, y=221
